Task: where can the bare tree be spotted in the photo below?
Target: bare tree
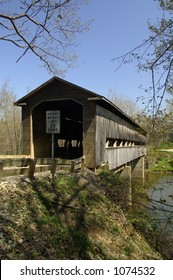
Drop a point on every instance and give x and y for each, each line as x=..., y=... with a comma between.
x=46, y=28
x=155, y=54
x=10, y=122
x=126, y=104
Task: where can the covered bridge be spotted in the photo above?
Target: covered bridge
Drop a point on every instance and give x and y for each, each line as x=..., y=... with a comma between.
x=86, y=124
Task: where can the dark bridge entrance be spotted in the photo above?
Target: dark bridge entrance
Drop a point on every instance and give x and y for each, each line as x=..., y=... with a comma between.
x=68, y=143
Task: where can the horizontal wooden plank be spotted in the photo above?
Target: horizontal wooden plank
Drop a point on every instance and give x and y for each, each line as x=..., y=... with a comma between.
x=16, y=162
x=14, y=156
x=13, y=167
x=15, y=171
x=122, y=155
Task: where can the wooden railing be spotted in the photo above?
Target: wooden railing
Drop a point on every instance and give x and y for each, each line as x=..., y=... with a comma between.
x=28, y=166
x=117, y=156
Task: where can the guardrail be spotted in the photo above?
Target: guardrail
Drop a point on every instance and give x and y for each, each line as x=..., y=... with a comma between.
x=28, y=166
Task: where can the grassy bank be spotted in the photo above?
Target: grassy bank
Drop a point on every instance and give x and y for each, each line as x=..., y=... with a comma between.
x=160, y=160
x=79, y=216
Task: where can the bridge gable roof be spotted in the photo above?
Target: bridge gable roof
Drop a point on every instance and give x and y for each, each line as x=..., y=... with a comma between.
x=99, y=99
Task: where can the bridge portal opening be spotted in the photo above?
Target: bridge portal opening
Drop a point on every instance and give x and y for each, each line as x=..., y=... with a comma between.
x=68, y=143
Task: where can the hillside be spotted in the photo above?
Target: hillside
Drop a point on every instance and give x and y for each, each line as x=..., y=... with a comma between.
x=79, y=216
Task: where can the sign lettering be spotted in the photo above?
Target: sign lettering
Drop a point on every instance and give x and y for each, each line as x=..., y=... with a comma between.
x=52, y=122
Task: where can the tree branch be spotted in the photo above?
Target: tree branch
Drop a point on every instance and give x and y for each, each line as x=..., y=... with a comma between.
x=46, y=28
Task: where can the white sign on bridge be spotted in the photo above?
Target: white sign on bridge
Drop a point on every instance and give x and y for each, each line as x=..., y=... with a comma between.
x=52, y=122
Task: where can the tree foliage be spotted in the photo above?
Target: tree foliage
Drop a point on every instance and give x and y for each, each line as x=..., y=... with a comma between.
x=46, y=28
x=155, y=54
x=161, y=133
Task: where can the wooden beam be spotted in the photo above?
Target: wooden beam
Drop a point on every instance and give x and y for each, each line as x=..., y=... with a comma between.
x=54, y=166
x=94, y=98
x=83, y=163
x=31, y=170
x=31, y=136
x=72, y=169
x=1, y=169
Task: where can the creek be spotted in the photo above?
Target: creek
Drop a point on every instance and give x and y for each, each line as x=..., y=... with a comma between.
x=159, y=189
x=152, y=208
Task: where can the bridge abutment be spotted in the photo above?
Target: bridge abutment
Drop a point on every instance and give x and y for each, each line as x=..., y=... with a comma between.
x=134, y=169
x=126, y=172
x=137, y=167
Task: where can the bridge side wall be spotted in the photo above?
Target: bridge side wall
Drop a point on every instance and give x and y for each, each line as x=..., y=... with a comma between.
x=121, y=155
x=111, y=126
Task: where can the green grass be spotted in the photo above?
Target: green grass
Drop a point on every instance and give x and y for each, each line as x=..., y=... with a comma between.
x=129, y=248
x=77, y=216
x=163, y=162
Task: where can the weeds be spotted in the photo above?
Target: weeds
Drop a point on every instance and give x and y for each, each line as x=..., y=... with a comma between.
x=115, y=188
x=129, y=248
x=76, y=217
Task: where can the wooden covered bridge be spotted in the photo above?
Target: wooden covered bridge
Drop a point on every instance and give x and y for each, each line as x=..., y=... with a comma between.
x=63, y=120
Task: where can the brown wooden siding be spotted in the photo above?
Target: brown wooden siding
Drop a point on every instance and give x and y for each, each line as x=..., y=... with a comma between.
x=42, y=141
x=26, y=130
x=109, y=125
x=58, y=93
x=89, y=143
x=122, y=155
x=98, y=124
x=116, y=126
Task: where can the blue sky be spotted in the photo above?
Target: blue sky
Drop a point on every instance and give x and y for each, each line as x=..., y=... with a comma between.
x=118, y=26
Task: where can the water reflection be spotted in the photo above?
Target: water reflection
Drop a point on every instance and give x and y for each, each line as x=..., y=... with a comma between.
x=161, y=194
x=159, y=189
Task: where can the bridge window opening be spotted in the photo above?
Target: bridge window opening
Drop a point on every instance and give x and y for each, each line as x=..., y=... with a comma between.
x=113, y=143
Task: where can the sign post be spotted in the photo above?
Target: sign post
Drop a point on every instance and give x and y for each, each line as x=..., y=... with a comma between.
x=52, y=127
x=52, y=146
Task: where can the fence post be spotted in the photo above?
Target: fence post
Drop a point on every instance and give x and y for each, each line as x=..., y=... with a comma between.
x=1, y=169
x=72, y=168
x=83, y=163
x=31, y=170
x=54, y=166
